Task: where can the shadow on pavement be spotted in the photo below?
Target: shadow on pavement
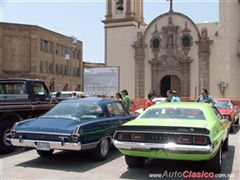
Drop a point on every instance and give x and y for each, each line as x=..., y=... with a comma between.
x=169, y=168
x=16, y=151
x=70, y=161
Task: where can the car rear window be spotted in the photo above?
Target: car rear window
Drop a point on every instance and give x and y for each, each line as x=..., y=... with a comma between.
x=222, y=104
x=174, y=113
x=77, y=110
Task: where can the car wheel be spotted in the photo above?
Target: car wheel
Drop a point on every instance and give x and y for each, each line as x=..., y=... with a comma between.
x=5, y=136
x=225, y=145
x=102, y=150
x=237, y=122
x=134, y=161
x=215, y=164
x=45, y=154
x=232, y=127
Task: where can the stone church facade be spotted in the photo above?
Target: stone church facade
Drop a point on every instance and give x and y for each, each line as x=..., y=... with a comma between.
x=173, y=52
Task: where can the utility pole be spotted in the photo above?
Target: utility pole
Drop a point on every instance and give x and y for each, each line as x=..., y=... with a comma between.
x=69, y=57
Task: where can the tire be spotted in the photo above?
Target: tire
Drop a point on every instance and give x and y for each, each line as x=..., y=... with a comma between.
x=232, y=128
x=225, y=145
x=215, y=164
x=5, y=144
x=45, y=154
x=102, y=150
x=237, y=122
x=134, y=161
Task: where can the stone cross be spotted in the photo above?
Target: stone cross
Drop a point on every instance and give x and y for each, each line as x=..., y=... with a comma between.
x=171, y=5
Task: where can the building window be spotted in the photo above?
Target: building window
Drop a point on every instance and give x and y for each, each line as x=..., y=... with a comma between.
x=50, y=47
x=50, y=67
x=46, y=46
x=41, y=45
x=156, y=43
x=186, y=41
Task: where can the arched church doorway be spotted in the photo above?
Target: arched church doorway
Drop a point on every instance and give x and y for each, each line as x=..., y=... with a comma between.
x=170, y=82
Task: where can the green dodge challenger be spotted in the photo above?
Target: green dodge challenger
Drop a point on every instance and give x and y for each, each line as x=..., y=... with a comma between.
x=177, y=131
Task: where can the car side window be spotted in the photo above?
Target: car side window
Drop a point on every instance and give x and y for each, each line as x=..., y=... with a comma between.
x=218, y=114
x=39, y=89
x=116, y=109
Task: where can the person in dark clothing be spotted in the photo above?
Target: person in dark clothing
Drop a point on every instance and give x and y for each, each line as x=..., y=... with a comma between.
x=204, y=97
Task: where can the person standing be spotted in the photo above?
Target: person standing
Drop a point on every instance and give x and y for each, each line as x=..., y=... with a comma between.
x=118, y=96
x=204, y=97
x=126, y=100
x=169, y=95
x=149, y=101
x=175, y=97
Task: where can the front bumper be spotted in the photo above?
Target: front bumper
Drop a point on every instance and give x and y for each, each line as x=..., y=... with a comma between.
x=51, y=144
x=171, y=147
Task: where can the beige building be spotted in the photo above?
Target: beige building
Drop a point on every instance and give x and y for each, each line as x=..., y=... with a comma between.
x=172, y=51
x=34, y=52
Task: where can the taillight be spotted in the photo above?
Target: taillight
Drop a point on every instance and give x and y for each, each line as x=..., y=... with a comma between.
x=124, y=136
x=75, y=134
x=199, y=140
x=137, y=137
x=185, y=139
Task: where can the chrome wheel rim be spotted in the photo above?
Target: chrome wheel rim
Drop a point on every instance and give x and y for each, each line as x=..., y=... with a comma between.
x=7, y=137
x=104, y=147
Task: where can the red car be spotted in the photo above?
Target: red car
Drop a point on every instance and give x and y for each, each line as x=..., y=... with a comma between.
x=134, y=106
x=229, y=111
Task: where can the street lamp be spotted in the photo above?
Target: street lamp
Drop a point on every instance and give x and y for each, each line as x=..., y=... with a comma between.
x=69, y=56
x=222, y=86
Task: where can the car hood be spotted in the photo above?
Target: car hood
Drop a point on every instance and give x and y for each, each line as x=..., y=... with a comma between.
x=225, y=111
x=48, y=125
x=169, y=123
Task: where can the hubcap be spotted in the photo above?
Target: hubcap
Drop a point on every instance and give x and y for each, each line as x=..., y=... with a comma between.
x=7, y=137
x=104, y=147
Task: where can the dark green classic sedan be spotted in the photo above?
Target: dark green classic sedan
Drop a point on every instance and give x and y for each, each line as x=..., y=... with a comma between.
x=77, y=124
x=177, y=131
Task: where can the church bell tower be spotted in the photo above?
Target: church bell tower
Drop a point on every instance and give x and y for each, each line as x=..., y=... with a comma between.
x=124, y=11
x=123, y=19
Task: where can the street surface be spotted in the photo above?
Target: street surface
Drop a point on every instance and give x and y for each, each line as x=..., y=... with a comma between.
x=74, y=165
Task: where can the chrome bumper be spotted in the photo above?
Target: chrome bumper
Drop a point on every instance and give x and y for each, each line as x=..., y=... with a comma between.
x=52, y=144
x=172, y=147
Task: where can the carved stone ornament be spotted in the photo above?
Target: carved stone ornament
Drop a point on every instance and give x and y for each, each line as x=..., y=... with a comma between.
x=186, y=40
x=155, y=42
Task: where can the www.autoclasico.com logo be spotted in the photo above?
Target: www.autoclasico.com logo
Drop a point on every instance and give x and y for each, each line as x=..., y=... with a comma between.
x=189, y=174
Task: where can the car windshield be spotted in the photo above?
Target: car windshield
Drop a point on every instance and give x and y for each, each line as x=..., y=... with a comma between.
x=76, y=110
x=222, y=104
x=174, y=113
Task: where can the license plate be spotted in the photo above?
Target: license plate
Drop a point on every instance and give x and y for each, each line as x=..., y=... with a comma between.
x=43, y=146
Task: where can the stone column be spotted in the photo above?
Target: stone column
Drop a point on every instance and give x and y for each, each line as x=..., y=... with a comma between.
x=109, y=10
x=139, y=47
x=128, y=11
x=204, y=53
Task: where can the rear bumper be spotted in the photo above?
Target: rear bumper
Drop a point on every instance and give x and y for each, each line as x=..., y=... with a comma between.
x=171, y=147
x=52, y=144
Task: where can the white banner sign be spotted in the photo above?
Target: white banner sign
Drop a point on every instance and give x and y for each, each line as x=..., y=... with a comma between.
x=101, y=81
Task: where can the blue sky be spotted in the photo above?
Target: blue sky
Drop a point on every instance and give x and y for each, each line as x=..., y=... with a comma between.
x=82, y=18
